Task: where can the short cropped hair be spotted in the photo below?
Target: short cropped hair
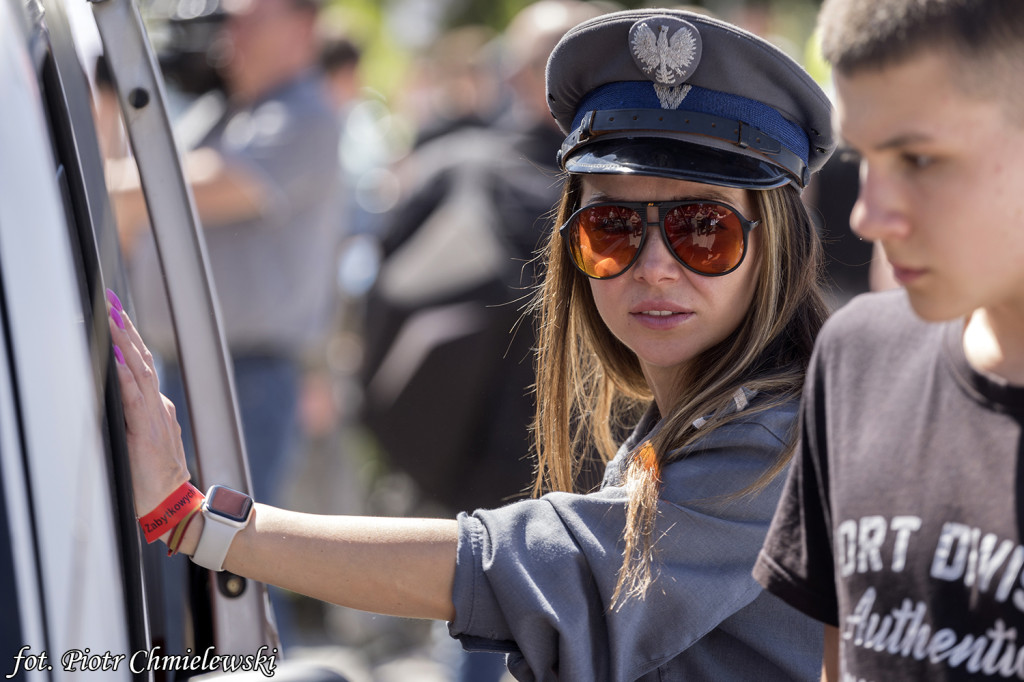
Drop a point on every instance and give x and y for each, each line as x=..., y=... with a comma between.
x=859, y=34
x=982, y=39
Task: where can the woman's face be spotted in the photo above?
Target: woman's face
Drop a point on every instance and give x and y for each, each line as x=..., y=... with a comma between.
x=661, y=311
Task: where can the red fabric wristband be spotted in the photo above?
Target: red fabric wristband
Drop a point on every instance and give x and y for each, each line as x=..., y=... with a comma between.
x=171, y=511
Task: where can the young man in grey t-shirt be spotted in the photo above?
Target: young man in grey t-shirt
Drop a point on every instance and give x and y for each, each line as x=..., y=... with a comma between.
x=900, y=525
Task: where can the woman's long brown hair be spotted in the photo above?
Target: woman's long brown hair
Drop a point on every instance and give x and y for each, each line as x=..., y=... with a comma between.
x=589, y=385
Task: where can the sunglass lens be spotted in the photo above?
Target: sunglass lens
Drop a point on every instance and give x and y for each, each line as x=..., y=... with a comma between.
x=707, y=237
x=605, y=239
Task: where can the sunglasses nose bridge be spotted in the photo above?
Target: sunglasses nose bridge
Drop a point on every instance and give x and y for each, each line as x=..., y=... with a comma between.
x=651, y=215
x=654, y=239
x=652, y=220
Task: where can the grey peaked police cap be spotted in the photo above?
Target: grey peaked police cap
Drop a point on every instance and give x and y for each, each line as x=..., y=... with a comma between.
x=681, y=95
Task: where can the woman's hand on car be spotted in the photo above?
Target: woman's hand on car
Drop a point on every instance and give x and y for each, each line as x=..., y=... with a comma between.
x=154, y=437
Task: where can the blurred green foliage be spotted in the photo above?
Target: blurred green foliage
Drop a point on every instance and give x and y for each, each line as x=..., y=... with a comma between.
x=377, y=25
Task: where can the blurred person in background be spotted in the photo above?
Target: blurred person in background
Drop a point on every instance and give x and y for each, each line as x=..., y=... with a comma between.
x=452, y=84
x=265, y=178
x=266, y=181
x=445, y=351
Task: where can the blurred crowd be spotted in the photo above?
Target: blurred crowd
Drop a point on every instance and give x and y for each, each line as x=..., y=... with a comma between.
x=373, y=256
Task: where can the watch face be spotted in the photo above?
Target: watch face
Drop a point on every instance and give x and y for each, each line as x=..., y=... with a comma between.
x=229, y=503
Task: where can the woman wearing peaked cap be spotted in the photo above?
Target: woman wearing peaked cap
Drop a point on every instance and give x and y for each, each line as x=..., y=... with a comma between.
x=681, y=293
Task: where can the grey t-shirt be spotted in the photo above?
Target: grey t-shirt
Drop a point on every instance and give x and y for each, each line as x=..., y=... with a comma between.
x=535, y=578
x=901, y=522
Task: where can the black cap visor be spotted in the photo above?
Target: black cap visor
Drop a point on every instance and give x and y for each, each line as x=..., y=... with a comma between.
x=677, y=159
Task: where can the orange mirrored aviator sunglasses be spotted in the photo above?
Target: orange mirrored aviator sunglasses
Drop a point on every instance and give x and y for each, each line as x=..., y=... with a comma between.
x=706, y=237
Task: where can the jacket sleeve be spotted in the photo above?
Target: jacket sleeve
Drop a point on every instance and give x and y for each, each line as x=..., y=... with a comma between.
x=536, y=578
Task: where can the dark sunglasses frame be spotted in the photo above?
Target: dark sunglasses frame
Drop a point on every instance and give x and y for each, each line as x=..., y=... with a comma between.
x=663, y=207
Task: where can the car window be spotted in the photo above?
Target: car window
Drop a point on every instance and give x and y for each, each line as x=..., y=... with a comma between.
x=62, y=555
x=11, y=635
x=73, y=569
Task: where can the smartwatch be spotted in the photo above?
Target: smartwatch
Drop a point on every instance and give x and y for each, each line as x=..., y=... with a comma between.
x=225, y=512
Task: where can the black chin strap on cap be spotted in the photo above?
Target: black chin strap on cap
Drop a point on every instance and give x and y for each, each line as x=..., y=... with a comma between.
x=693, y=126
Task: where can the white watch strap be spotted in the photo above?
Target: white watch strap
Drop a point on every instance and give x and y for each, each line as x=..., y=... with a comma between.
x=214, y=542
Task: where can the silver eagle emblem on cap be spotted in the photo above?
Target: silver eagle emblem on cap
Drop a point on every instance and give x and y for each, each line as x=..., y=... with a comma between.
x=667, y=54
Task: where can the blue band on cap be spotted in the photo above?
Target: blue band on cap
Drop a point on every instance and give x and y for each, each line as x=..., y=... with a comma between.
x=641, y=95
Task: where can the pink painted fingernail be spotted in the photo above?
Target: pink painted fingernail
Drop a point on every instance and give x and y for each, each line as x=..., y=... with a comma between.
x=118, y=320
x=118, y=354
x=114, y=301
